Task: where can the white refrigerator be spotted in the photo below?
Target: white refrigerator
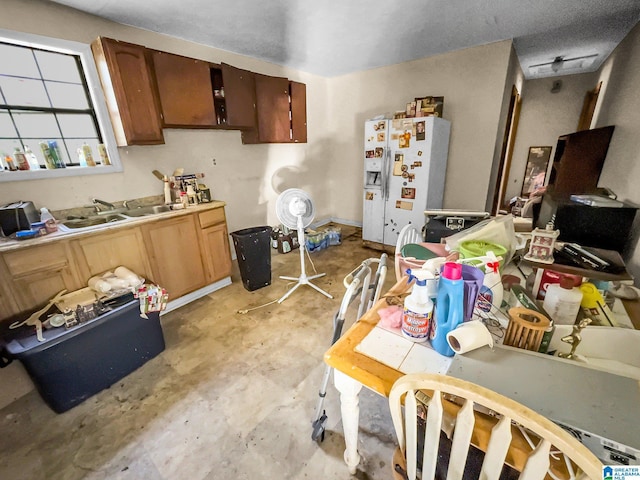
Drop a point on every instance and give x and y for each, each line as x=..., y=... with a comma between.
x=405, y=165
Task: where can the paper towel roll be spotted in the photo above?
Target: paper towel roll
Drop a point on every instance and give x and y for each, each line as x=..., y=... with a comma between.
x=469, y=336
x=126, y=274
x=99, y=284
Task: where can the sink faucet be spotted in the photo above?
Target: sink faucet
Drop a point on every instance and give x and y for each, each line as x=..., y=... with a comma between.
x=96, y=201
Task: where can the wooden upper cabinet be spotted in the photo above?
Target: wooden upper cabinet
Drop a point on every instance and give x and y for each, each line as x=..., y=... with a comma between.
x=184, y=87
x=272, y=107
x=298, y=93
x=281, y=111
x=234, y=96
x=128, y=84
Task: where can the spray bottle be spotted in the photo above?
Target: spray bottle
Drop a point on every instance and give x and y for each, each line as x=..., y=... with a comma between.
x=449, y=307
x=491, y=293
x=418, y=307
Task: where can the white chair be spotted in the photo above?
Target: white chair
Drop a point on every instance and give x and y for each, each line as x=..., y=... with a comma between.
x=410, y=234
x=436, y=391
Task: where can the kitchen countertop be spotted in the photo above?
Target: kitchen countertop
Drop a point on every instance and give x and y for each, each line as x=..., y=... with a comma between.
x=7, y=244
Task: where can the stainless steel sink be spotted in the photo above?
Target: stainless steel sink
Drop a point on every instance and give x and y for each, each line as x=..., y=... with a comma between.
x=93, y=220
x=148, y=210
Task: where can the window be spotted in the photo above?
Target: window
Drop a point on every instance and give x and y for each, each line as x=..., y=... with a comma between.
x=51, y=102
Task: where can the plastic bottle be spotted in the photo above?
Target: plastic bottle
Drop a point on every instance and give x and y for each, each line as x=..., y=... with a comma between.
x=21, y=160
x=418, y=307
x=81, y=160
x=191, y=195
x=562, y=302
x=594, y=306
x=449, y=307
x=167, y=191
x=54, y=151
x=491, y=292
x=104, y=156
x=88, y=155
x=31, y=158
x=48, y=158
x=11, y=165
x=48, y=219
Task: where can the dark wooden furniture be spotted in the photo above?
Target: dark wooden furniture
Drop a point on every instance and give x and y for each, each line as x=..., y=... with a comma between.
x=578, y=161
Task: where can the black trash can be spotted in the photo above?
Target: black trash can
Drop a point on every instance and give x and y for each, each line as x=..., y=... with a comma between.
x=253, y=251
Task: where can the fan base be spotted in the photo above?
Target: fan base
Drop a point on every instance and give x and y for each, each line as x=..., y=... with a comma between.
x=304, y=280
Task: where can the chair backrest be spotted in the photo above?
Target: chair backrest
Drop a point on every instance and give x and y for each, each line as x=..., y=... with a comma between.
x=408, y=234
x=443, y=396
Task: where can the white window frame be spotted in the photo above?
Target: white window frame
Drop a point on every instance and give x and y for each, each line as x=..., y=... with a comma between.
x=97, y=98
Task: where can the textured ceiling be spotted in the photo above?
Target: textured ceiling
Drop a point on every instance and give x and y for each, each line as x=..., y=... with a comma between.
x=336, y=37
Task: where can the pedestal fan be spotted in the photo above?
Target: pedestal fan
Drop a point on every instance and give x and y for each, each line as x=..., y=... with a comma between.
x=294, y=209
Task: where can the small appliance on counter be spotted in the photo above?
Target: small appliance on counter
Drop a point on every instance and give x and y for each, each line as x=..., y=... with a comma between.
x=18, y=216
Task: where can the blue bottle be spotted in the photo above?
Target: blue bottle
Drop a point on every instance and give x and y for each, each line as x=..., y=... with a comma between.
x=449, y=307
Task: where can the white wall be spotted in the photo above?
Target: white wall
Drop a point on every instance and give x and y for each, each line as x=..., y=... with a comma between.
x=514, y=78
x=472, y=83
x=621, y=107
x=544, y=117
x=247, y=177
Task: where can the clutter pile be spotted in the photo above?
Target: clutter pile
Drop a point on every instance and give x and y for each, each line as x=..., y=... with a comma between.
x=285, y=240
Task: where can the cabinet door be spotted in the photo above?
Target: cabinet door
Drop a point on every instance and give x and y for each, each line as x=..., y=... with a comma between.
x=104, y=252
x=174, y=250
x=272, y=105
x=278, y=112
x=216, y=251
x=298, y=92
x=240, y=96
x=39, y=273
x=184, y=87
x=129, y=88
x=8, y=306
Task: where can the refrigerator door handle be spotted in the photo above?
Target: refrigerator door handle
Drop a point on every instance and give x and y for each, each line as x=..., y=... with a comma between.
x=385, y=175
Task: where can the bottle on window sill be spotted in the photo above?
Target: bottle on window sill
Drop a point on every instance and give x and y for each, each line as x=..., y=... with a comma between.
x=31, y=158
x=9, y=163
x=21, y=159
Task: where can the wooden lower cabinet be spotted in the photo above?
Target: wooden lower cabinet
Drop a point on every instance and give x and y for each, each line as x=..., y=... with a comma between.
x=101, y=253
x=173, y=247
x=39, y=273
x=181, y=254
x=215, y=243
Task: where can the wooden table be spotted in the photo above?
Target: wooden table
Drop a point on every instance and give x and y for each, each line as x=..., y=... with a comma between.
x=353, y=370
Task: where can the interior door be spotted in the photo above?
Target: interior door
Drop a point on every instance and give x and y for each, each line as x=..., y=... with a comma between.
x=588, y=107
x=508, y=142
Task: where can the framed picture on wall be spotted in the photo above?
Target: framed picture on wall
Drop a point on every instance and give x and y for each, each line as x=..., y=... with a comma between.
x=536, y=171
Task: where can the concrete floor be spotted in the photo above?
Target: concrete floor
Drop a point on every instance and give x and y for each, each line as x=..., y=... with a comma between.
x=232, y=396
